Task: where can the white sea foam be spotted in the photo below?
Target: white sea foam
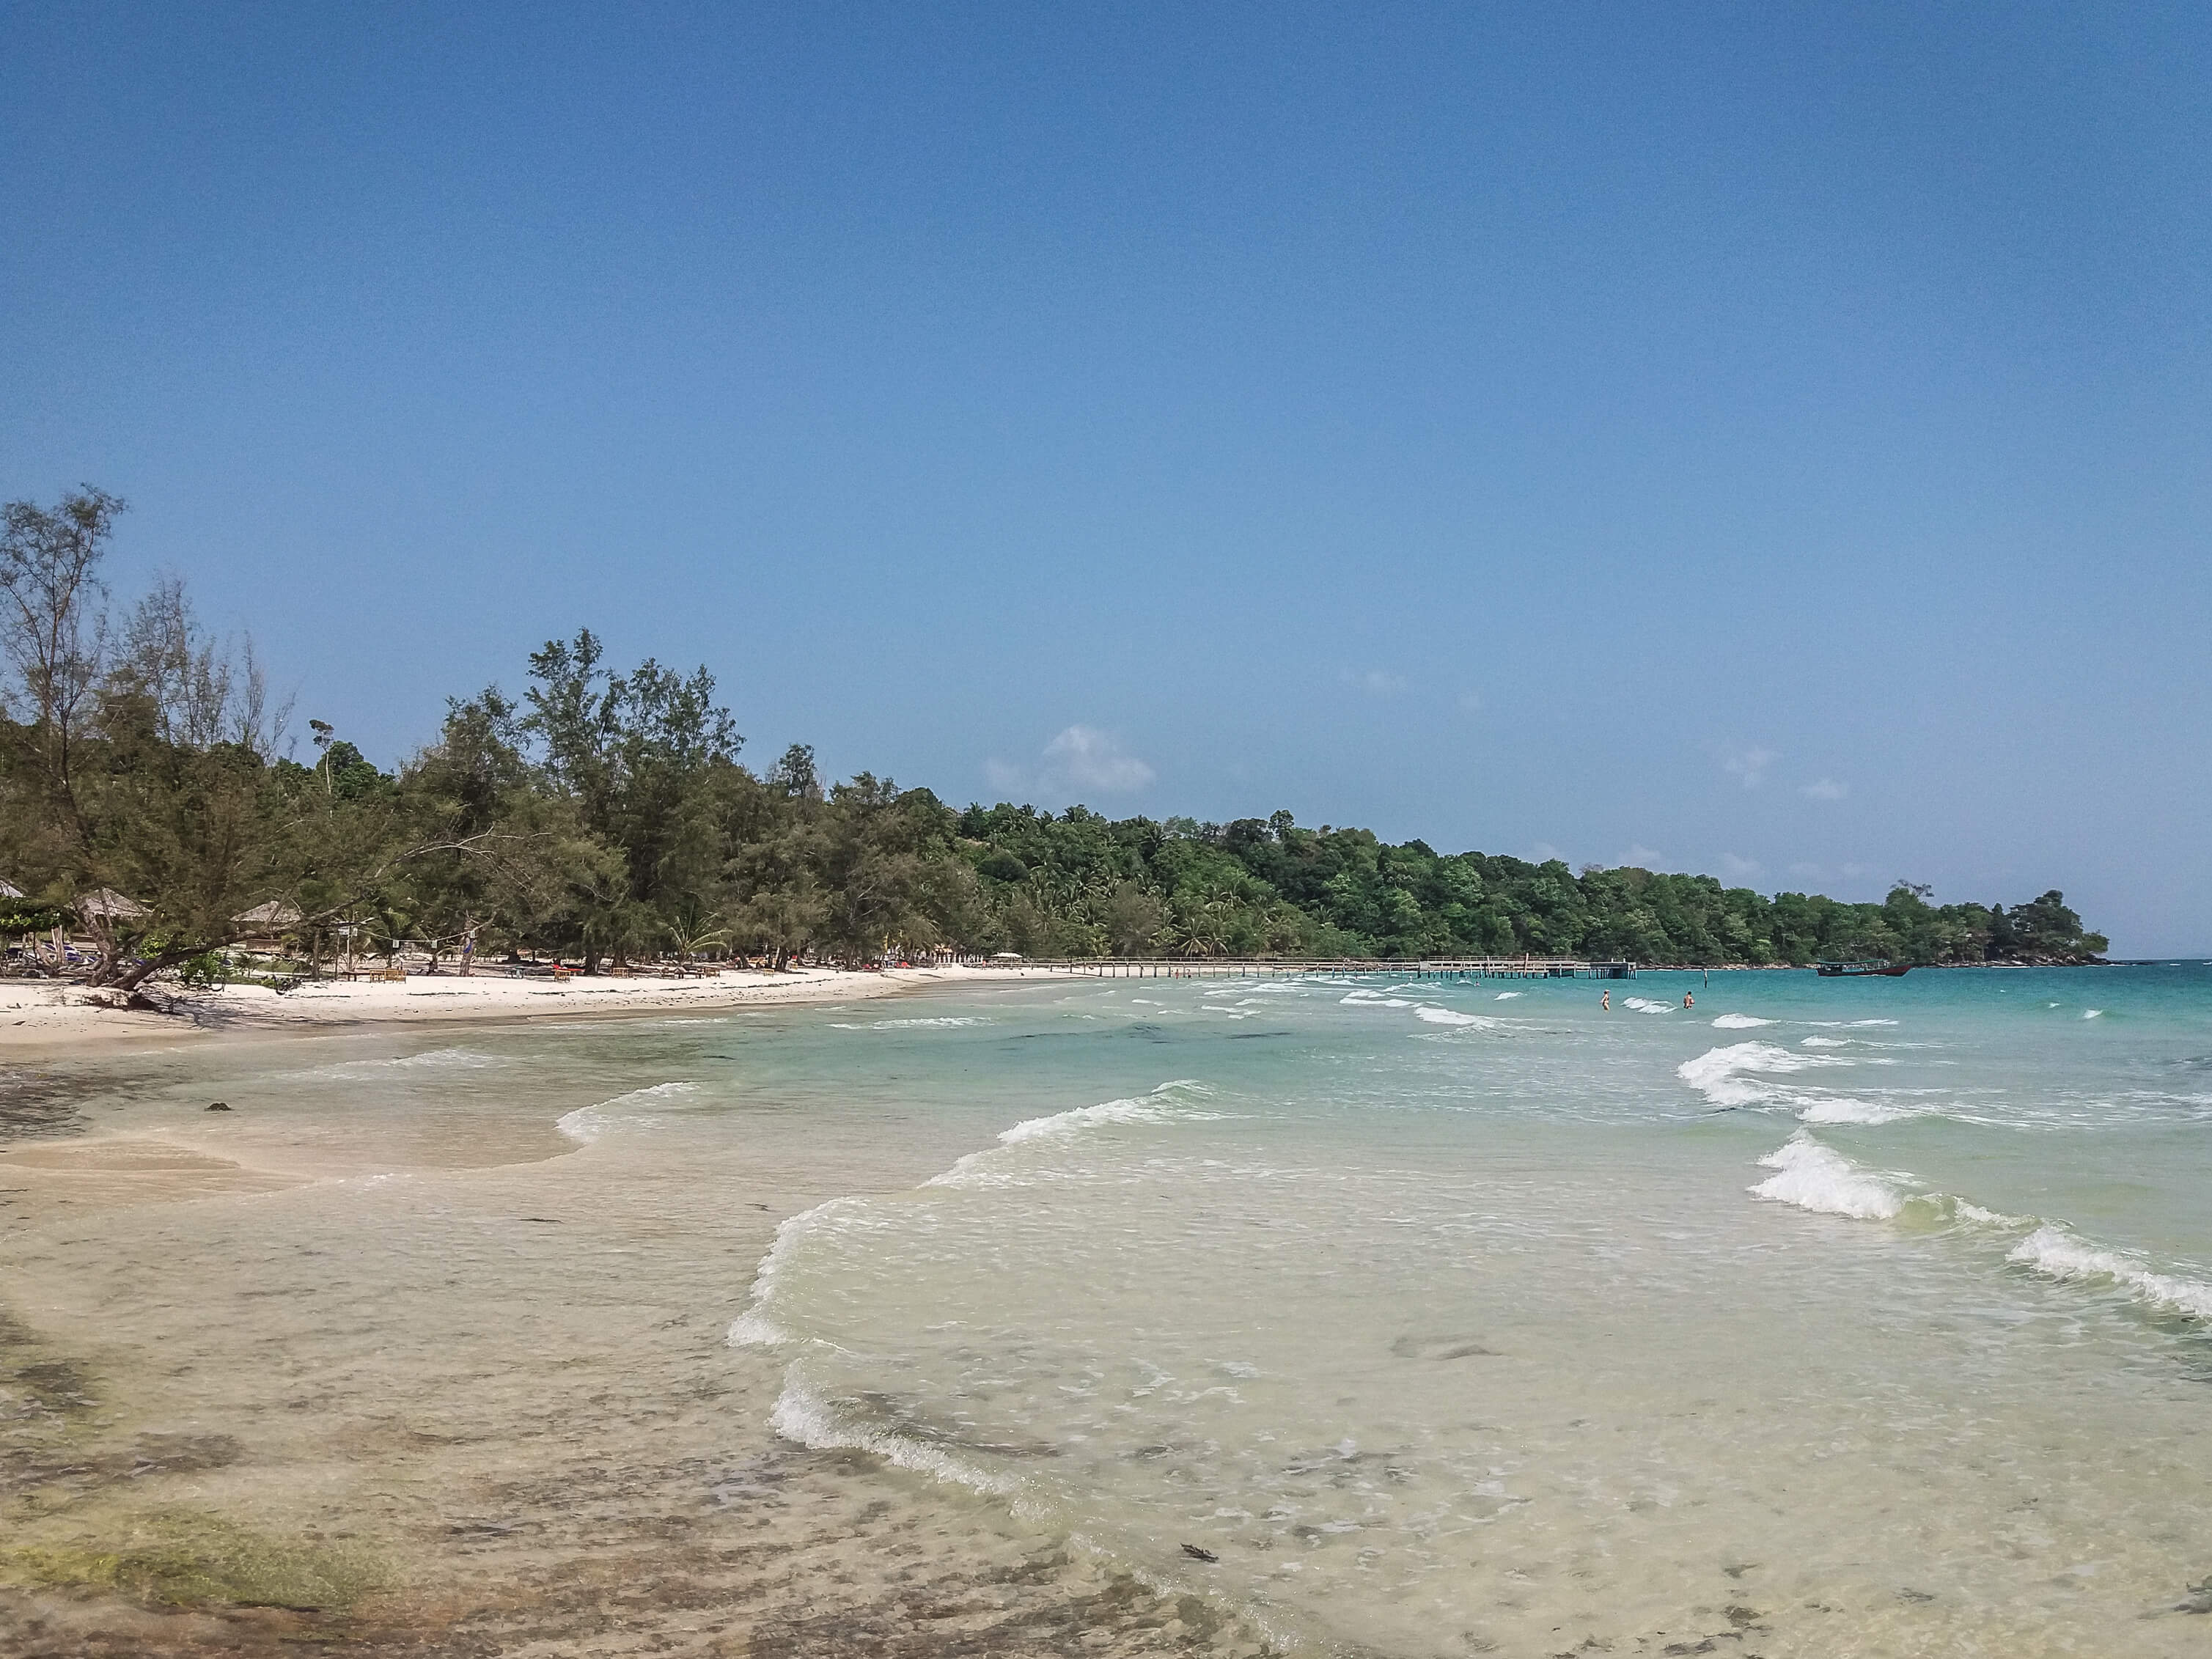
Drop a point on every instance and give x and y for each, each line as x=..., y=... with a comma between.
x=1646, y=1005
x=2057, y=1253
x=588, y=1124
x=433, y=1059
x=1815, y=1177
x=1720, y=1074
x=1452, y=1017
x=908, y=1025
x=1371, y=999
x=1508, y=996
x=1169, y=1103
x=1844, y=1108
x=756, y=1327
x=1962, y=1211
x=1157, y=1107
x=802, y=1415
x=1741, y=1022
x=2092, y=1013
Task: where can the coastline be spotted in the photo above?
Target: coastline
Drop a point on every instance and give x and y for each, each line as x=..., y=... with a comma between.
x=470, y=1410
x=79, y=1021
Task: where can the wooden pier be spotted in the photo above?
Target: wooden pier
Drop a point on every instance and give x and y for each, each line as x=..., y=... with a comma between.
x=1275, y=967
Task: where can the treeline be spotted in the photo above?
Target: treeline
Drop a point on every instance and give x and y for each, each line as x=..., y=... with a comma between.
x=149, y=795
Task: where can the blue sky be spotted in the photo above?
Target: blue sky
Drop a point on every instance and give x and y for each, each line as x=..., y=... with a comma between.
x=1769, y=441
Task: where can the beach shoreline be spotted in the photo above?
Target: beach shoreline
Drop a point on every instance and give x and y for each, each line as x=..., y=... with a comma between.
x=42, y=1019
x=489, y=1391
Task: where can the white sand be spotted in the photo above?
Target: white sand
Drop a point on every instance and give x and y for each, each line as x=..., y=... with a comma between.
x=36, y=1015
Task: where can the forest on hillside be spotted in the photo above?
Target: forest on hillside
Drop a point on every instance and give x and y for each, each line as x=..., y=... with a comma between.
x=151, y=795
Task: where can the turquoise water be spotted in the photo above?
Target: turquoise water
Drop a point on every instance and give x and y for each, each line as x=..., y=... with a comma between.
x=1822, y=1318
x=1864, y=1316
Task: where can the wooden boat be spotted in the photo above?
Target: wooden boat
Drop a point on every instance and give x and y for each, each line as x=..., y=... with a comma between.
x=1862, y=970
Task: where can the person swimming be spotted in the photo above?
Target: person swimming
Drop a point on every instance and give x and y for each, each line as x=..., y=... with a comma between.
x=1605, y=999
x=1688, y=1001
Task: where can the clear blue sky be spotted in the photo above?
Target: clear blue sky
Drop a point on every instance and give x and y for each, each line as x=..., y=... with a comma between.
x=1764, y=440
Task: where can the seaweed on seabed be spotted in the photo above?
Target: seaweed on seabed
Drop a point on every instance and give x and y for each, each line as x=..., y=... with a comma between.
x=35, y=1104
x=180, y=1558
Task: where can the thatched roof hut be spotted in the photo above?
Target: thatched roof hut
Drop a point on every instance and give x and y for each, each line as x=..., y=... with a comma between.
x=264, y=920
x=106, y=904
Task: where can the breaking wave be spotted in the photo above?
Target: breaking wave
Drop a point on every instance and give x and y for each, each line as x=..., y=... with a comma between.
x=1743, y=1021
x=433, y=1059
x=1722, y=1074
x=803, y=1415
x=907, y=1025
x=1646, y=1005
x=1449, y=1017
x=2056, y=1253
x=1157, y=1107
x=757, y=1325
x=588, y=1124
x=1819, y=1178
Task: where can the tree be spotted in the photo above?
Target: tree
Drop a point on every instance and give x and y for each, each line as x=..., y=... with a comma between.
x=642, y=757
x=54, y=634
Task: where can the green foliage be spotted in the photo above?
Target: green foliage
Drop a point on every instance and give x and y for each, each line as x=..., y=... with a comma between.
x=1080, y=884
x=607, y=816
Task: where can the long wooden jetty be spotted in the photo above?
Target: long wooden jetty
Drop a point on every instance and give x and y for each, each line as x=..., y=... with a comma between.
x=1270, y=967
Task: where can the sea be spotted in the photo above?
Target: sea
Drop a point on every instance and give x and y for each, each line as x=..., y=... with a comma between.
x=1756, y=1312
x=1752, y=1314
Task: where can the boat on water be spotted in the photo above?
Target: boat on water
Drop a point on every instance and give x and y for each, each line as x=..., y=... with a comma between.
x=1862, y=970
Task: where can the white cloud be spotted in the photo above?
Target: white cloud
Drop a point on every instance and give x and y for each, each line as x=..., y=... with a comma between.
x=1749, y=764
x=1544, y=852
x=1376, y=682
x=1081, y=761
x=1825, y=789
x=1088, y=758
x=1644, y=858
x=1810, y=872
x=1741, y=868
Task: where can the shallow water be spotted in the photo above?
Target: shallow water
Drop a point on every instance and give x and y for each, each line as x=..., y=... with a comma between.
x=1858, y=1317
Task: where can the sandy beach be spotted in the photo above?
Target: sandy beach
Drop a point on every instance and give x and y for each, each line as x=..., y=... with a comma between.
x=39, y=1015
x=262, y=1389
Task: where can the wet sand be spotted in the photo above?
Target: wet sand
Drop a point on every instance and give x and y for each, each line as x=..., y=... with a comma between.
x=259, y=1395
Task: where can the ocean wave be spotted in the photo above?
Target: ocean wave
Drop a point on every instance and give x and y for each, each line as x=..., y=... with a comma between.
x=1153, y=1108
x=1743, y=1021
x=1452, y=1017
x=1646, y=1005
x=1508, y=996
x=1373, y=1000
x=588, y=1124
x=1819, y=1178
x=1169, y=1103
x=1847, y=1108
x=757, y=1328
x=433, y=1059
x=2092, y=1013
x=804, y=1416
x=908, y=1025
x=1719, y=1074
x=2056, y=1253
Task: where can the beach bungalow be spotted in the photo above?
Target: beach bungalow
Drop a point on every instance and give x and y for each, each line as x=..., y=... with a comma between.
x=105, y=907
x=264, y=925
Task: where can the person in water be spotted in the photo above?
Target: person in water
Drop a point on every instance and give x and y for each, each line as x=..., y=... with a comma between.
x=1605, y=999
x=1688, y=1001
